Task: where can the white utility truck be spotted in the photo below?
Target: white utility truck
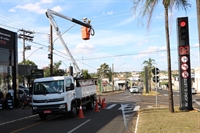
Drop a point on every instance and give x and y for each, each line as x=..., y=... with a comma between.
x=63, y=94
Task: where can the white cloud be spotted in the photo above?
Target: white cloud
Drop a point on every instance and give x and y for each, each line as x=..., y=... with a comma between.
x=36, y=7
x=32, y=7
x=11, y=10
x=126, y=21
x=46, y=1
x=84, y=48
x=108, y=13
x=57, y=9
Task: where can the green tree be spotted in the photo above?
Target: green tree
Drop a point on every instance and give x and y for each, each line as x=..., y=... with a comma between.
x=56, y=70
x=28, y=62
x=85, y=74
x=104, y=71
x=149, y=63
x=147, y=9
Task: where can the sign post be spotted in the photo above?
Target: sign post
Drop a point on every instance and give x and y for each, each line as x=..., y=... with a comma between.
x=156, y=80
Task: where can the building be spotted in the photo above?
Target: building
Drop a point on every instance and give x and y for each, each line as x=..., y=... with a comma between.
x=8, y=61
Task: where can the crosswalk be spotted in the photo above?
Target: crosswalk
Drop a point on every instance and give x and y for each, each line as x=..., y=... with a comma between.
x=128, y=107
x=160, y=95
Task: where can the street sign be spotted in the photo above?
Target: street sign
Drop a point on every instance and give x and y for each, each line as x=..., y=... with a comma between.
x=184, y=67
x=156, y=79
x=185, y=74
x=155, y=71
x=184, y=59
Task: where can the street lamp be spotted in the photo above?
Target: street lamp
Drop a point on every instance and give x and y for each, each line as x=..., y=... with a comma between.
x=33, y=52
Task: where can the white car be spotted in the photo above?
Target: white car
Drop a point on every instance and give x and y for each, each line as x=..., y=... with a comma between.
x=134, y=89
x=193, y=91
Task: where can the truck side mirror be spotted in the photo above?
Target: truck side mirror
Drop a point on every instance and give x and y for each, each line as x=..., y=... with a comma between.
x=71, y=86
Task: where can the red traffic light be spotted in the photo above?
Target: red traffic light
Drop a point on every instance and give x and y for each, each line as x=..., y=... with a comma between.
x=182, y=23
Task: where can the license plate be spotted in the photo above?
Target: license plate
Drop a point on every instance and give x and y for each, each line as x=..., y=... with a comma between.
x=47, y=111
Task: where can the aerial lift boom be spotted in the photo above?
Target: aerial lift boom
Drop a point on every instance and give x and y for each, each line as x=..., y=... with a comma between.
x=49, y=14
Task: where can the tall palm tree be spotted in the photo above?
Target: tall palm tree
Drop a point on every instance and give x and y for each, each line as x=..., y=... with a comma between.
x=149, y=63
x=147, y=10
x=198, y=20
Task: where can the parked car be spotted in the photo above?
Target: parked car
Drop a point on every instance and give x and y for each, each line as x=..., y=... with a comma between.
x=193, y=90
x=134, y=89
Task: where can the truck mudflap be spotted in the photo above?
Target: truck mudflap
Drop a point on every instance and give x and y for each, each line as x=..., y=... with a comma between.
x=50, y=109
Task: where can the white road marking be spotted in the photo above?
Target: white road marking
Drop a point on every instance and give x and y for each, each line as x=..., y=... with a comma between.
x=136, y=108
x=79, y=126
x=111, y=106
x=196, y=102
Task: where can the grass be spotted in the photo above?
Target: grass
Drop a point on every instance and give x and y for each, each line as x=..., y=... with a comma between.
x=160, y=120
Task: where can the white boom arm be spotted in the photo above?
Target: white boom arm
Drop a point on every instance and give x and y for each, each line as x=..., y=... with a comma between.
x=49, y=14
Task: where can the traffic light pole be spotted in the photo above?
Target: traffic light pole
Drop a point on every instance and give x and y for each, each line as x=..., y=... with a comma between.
x=184, y=64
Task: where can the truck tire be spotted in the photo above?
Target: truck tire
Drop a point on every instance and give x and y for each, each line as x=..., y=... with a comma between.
x=43, y=116
x=73, y=111
x=90, y=105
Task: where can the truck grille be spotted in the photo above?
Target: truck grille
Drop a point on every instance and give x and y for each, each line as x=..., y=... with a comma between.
x=49, y=100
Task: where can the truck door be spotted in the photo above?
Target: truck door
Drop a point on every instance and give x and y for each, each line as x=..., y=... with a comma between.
x=70, y=94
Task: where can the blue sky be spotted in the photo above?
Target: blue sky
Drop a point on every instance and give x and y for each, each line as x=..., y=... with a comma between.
x=121, y=37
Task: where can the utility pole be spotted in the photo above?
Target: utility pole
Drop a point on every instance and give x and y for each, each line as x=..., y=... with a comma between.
x=51, y=50
x=113, y=87
x=26, y=36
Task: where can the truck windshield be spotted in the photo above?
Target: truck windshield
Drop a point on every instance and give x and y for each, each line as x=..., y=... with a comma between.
x=48, y=87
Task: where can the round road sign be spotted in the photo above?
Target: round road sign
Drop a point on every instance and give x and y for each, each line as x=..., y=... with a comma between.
x=155, y=71
x=185, y=74
x=184, y=66
x=184, y=59
x=156, y=79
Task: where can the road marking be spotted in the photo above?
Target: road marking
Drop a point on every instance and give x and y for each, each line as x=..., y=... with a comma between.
x=79, y=126
x=136, y=108
x=18, y=120
x=26, y=127
x=196, y=102
x=111, y=106
x=136, y=126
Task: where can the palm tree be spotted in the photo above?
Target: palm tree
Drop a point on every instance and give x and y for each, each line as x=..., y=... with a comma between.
x=147, y=9
x=149, y=63
x=198, y=20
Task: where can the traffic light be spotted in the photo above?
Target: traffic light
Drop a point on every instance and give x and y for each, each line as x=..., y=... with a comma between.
x=183, y=32
x=49, y=56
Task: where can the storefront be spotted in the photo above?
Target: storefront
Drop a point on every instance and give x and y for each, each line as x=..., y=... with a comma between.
x=8, y=61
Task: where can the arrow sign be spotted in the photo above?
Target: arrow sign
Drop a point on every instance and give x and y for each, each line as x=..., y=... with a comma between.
x=155, y=71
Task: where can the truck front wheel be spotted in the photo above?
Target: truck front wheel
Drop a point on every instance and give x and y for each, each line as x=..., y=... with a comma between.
x=73, y=110
x=43, y=116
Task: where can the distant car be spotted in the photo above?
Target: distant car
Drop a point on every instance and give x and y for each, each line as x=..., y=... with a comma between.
x=134, y=89
x=193, y=90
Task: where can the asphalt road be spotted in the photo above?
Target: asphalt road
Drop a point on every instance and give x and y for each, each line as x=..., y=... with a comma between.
x=117, y=117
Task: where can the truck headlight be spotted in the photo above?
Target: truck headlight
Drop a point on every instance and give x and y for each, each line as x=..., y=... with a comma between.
x=34, y=108
x=62, y=106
